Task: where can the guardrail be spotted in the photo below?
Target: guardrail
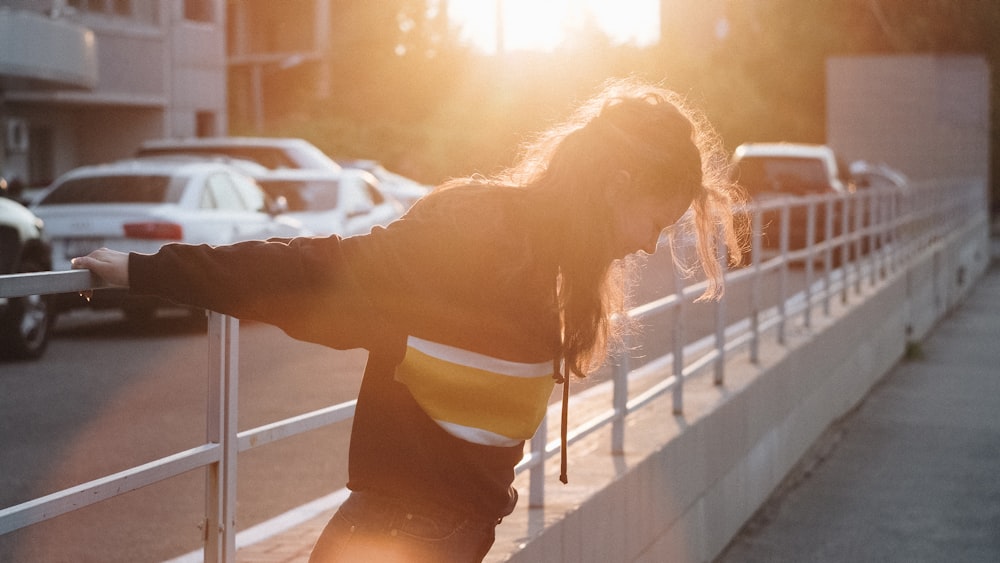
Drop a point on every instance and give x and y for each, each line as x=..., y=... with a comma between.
x=849, y=240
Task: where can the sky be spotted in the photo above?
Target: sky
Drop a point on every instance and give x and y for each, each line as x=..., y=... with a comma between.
x=541, y=25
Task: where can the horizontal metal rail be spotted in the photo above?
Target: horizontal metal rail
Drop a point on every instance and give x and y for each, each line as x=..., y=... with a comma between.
x=91, y=492
x=871, y=232
x=294, y=425
x=39, y=283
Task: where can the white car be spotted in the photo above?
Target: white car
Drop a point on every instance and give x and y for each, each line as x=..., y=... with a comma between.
x=285, y=153
x=406, y=190
x=345, y=203
x=274, y=153
x=787, y=172
x=141, y=204
x=868, y=175
x=790, y=169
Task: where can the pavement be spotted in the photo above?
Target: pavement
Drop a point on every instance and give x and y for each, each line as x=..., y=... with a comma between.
x=910, y=475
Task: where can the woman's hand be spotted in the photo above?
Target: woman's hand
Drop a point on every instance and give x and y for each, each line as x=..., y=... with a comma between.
x=110, y=265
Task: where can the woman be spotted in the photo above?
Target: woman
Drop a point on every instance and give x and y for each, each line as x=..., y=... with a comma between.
x=471, y=306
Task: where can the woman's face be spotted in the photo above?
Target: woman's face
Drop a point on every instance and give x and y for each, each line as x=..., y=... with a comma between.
x=640, y=219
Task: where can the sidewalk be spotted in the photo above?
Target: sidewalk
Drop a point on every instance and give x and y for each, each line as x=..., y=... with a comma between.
x=911, y=474
x=908, y=476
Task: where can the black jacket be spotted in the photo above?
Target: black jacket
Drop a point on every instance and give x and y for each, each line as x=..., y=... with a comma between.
x=455, y=303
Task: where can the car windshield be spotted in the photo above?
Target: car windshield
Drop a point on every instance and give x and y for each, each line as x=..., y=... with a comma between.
x=267, y=157
x=275, y=158
x=113, y=189
x=783, y=175
x=303, y=195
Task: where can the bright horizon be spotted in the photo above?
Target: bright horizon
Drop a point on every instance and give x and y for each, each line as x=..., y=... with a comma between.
x=542, y=25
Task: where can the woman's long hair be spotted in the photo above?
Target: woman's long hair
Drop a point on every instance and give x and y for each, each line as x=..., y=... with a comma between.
x=668, y=150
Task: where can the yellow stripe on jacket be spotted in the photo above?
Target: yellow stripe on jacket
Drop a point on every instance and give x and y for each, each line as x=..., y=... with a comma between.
x=475, y=397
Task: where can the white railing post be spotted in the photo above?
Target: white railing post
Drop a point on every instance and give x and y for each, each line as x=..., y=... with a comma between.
x=619, y=397
x=678, y=336
x=720, y=321
x=783, y=272
x=844, y=245
x=810, y=255
x=874, y=251
x=221, y=428
x=828, y=252
x=755, y=298
x=536, y=475
x=856, y=239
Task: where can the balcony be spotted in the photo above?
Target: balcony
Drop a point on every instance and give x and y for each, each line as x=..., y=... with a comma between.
x=37, y=52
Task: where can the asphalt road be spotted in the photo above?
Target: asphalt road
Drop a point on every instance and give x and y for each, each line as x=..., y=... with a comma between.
x=108, y=396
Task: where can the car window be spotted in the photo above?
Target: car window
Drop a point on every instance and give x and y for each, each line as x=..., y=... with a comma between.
x=310, y=157
x=783, y=174
x=304, y=195
x=374, y=195
x=874, y=180
x=220, y=193
x=265, y=156
x=113, y=189
x=356, y=197
x=250, y=193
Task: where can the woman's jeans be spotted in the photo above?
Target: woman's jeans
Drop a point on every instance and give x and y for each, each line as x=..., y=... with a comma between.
x=373, y=528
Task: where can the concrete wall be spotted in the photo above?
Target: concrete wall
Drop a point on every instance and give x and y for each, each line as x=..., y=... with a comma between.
x=687, y=484
x=925, y=115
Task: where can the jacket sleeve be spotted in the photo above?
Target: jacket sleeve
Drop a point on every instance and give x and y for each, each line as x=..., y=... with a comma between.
x=433, y=273
x=304, y=286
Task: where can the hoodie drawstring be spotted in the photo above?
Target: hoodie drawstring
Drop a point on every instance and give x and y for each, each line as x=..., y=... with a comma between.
x=564, y=379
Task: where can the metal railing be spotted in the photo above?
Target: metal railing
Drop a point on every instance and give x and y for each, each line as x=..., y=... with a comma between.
x=850, y=241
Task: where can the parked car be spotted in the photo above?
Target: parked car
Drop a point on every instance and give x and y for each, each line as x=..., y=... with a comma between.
x=141, y=204
x=277, y=153
x=25, y=322
x=404, y=189
x=786, y=172
x=866, y=175
x=348, y=202
x=271, y=152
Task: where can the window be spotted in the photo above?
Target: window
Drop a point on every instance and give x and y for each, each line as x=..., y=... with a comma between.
x=356, y=198
x=252, y=196
x=783, y=174
x=122, y=7
x=198, y=10
x=41, y=156
x=204, y=123
x=112, y=189
x=374, y=195
x=220, y=193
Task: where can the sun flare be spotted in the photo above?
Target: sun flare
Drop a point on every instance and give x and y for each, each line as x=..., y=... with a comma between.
x=542, y=25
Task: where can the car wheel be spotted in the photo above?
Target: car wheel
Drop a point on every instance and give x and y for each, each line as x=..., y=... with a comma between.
x=25, y=324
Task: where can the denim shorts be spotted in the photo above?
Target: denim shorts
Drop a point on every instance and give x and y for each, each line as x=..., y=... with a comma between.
x=376, y=528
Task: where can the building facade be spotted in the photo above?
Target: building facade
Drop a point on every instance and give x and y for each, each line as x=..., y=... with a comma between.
x=85, y=81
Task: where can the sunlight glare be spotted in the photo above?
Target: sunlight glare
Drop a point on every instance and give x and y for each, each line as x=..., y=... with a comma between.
x=542, y=25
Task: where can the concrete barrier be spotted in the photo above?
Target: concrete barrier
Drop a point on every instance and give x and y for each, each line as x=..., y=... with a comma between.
x=686, y=484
